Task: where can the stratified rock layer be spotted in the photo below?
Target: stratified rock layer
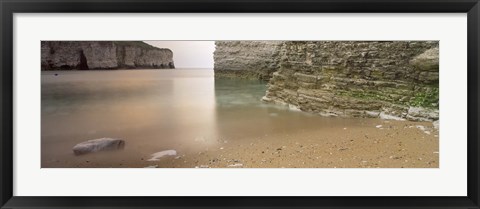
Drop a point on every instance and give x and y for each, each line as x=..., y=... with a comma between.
x=387, y=79
x=246, y=59
x=83, y=55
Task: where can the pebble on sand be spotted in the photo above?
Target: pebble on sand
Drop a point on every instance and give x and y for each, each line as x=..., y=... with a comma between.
x=96, y=145
x=236, y=165
x=436, y=124
x=156, y=156
x=424, y=129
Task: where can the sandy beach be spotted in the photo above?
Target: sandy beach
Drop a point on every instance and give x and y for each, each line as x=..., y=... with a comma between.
x=376, y=144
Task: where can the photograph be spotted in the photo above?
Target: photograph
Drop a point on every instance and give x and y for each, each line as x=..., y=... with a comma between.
x=239, y=104
x=242, y=104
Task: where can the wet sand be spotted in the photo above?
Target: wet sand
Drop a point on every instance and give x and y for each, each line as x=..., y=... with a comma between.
x=397, y=144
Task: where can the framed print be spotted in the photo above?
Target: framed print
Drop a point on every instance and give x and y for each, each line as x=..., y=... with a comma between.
x=265, y=104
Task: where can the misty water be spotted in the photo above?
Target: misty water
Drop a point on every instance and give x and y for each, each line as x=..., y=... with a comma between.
x=155, y=110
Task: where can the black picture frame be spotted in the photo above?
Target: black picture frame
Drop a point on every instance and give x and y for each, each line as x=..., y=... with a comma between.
x=9, y=7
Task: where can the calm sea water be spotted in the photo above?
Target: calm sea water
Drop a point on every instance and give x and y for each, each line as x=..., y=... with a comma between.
x=156, y=110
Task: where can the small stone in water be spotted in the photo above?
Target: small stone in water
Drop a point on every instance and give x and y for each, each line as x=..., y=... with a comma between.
x=158, y=155
x=96, y=145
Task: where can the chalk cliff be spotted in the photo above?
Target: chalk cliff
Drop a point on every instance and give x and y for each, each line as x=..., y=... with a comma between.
x=246, y=59
x=83, y=55
x=386, y=79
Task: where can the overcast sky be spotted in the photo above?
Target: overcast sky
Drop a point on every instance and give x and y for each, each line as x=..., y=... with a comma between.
x=189, y=54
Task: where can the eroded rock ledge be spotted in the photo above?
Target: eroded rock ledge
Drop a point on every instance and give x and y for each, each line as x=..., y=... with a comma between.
x=84, y=55
x=388, y=79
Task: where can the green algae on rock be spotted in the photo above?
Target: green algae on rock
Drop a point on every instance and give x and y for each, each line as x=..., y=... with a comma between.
x=389, y=79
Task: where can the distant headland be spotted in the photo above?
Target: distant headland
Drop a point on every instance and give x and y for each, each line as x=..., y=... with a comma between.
x=96, y=55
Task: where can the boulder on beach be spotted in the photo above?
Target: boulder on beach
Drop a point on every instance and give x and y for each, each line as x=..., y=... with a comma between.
x=96, y=145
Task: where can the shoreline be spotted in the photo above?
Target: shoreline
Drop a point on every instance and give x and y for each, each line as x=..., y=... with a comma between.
x=376, y=144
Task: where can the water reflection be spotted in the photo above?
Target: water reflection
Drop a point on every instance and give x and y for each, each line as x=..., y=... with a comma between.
x=192, y=109
x=151, y=109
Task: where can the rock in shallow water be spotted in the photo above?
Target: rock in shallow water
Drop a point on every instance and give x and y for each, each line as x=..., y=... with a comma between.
x=96, y=145
x=158, y=155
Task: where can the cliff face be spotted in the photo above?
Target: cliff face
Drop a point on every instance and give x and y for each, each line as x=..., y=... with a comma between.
x=246, y=59
x=397, y=79
x=85, y=55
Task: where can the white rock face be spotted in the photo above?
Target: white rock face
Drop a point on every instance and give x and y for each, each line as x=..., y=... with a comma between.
x=422, y=114
x=135, y=57
x=428, y=60
x=96, y=145
x=83, y=55
x=156, y=156
x=247, y=59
